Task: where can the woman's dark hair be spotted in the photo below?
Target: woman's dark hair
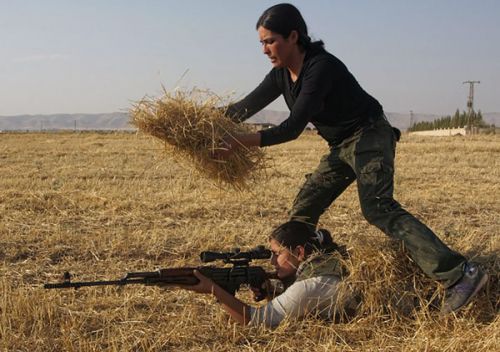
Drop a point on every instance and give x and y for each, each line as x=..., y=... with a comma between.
x=295, y=233
x=285, y=18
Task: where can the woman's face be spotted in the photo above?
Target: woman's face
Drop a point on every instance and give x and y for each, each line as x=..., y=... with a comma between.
x=280, y=51
x=285, y=261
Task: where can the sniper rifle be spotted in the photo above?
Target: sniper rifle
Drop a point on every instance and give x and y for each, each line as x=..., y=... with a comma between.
x=229, y=278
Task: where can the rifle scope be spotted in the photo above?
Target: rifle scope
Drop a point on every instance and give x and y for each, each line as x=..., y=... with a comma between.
x=259, y=252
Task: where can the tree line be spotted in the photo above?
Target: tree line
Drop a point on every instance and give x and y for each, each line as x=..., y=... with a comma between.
x=459, y=120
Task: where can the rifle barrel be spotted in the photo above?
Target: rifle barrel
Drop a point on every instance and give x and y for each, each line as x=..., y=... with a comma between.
x=175, y=280
x=78, y=284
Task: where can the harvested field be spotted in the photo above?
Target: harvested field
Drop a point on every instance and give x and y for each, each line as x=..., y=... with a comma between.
x=100, y=205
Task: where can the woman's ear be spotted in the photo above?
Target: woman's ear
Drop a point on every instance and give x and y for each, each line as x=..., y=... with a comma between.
x=300, y=253
x=293, y=37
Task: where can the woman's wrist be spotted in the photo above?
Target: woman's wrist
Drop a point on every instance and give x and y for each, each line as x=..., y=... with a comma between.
x=248, y=140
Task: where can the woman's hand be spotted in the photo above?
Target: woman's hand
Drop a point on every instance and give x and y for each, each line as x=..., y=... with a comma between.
x=227, y=147
x=205, y=285
x=266, y=291
x=259, y=294
x=231, y=143
x=238, y=310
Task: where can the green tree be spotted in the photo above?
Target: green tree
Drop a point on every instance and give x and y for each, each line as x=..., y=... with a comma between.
x=459, y=120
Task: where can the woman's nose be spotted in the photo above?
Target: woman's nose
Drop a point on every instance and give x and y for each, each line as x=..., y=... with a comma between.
x=273, y=260
x=265, y=49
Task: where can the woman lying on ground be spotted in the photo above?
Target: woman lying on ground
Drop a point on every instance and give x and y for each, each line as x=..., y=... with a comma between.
x=308, y=262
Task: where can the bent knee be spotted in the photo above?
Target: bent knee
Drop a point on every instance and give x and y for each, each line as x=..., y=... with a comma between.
x=376, y=209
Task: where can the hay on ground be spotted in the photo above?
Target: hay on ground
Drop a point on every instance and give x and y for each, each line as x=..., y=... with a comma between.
x=193, y=126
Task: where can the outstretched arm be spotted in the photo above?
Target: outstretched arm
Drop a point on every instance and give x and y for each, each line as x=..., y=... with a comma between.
x=265, y=93
x=238, y=310
x=317, y=83
x=234, y=142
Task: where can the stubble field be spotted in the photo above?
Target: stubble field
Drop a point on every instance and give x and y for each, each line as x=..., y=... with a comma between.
x=100, y=205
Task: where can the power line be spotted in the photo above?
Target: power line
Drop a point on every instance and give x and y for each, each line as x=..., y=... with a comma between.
x=470, y=103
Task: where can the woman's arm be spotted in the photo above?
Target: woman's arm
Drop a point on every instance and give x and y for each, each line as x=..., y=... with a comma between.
x=317, y=83
x=265, y=93
x=234, y=142
x=238, y=310
x=298, y=300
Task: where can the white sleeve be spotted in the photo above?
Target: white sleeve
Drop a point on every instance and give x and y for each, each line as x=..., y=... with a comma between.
x=315, y=295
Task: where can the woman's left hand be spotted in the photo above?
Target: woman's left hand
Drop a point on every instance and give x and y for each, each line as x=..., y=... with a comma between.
x=205, y=285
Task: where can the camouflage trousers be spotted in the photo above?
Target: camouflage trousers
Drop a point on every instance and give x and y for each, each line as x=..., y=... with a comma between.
x=368, y=158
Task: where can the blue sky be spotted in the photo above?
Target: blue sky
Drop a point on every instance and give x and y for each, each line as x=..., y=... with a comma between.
x=99, y=56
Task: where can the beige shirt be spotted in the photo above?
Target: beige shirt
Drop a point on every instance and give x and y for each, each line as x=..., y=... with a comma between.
x=314, y=296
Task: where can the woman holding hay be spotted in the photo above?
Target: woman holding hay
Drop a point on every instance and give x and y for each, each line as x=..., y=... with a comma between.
x=308, y=261
x=319, y=89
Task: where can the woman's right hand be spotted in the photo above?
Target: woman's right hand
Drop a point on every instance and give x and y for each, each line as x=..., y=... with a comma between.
x=227, y=146
x=263, y=292
x=231, y=143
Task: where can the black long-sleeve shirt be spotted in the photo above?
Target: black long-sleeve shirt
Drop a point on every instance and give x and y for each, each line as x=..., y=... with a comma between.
x=325, y=94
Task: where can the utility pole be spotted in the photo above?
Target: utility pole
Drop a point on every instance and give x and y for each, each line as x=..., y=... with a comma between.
x=411, y=119
x=470, y=104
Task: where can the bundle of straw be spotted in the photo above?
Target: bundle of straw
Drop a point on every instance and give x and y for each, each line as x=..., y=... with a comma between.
x=194, y=127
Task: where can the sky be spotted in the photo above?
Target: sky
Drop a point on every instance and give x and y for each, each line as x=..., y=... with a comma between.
x=99, y=56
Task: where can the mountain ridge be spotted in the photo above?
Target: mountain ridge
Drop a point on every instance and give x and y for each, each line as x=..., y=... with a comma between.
x=120, y=120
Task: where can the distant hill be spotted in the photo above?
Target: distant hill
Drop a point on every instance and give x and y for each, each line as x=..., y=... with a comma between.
x=108, y=121
x=492, y=118
x=120, y=120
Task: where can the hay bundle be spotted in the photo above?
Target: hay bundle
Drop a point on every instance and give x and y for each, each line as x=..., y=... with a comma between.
x=385, y=283
x=193, y=128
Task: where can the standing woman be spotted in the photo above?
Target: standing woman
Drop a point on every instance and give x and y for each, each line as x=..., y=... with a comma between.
x=319, y=89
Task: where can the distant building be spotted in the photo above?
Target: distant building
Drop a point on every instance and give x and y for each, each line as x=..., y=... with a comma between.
x=261, y=125
x=441, y=132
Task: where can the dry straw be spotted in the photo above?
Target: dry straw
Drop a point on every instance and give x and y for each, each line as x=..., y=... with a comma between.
x=193, y=126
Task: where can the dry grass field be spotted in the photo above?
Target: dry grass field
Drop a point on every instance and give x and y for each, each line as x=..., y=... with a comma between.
x=100, y=205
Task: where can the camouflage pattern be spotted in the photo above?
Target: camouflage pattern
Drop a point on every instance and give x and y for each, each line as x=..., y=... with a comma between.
x=368, y=157
x=321, y=264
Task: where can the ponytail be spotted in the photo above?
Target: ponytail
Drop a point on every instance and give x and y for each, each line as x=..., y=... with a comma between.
x=295, y=233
